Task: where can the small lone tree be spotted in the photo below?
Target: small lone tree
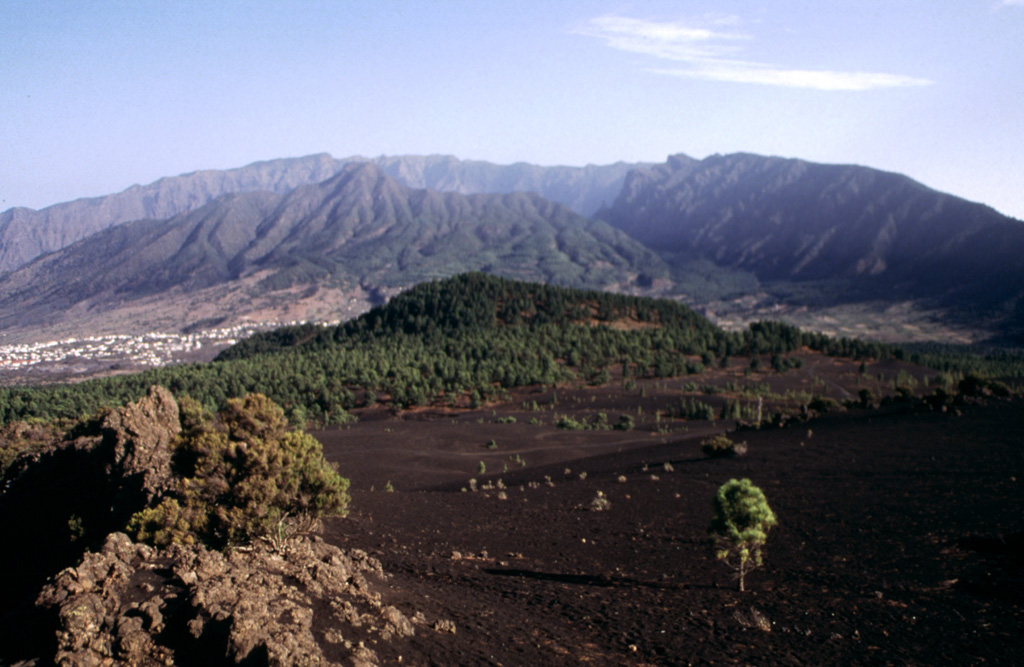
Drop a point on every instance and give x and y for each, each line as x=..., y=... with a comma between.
x=740, y=525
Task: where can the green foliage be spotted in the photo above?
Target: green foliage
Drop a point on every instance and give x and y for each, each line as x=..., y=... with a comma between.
x=76, y=527
x=973, y=385
x=718, y=446
x=867, y=398
x=740, y=523
x=693, y=409
x=470, y=337
x=18, y=438
x=965, y=360
x=625, y=423
x=168, y=522
x=732, y=410
x=822, y=404
x=239, y=476
x=598, y=423
x=569, y=424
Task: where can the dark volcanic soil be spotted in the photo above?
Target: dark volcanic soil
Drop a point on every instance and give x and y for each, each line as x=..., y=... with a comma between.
x=899, y=539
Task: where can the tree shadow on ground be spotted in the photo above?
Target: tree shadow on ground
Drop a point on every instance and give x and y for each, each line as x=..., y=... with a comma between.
x=602, y=580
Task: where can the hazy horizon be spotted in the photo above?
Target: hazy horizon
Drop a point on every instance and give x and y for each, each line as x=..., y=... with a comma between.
x=103, y=96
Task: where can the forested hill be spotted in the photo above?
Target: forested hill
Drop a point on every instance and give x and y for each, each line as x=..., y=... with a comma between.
x=478, y=302
x=455, y=342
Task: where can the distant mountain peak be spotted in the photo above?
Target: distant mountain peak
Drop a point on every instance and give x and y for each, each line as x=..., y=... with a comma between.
x=26, y=233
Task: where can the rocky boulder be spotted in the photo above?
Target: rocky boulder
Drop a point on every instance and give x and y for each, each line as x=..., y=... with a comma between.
x=63, y=497
x=300, y=602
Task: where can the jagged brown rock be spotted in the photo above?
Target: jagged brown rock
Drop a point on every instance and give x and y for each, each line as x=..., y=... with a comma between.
x=276, y=603
x=133, y=604
x=141, y=435
x=65, y=496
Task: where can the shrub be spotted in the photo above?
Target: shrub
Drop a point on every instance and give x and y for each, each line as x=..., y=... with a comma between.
x=718, y=446
x=239, y=477
x=17, y=438
x=739, y=526
x=570, y=424
x=822, y=404
x=625, y=423
x=600, y=503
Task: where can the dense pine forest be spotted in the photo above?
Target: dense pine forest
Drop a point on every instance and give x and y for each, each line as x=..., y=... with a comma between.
x=460, y=342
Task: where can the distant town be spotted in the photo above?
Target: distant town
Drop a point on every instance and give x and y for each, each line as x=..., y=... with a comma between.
x=84, y=358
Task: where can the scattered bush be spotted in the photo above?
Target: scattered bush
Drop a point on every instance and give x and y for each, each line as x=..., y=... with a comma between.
x=600, y=503
x=570, y=424
x=739, y=528
x=598, y=423
x=625, y=423
x=720, y=445
x=973, y=385
x=18, y=438
x=755, y=619
x=867, y=398
x=822, y=404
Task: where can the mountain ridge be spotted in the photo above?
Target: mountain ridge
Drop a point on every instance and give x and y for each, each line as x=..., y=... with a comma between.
x=359, y=231
x=874, y=234
x=741, y=233
x=27, y=233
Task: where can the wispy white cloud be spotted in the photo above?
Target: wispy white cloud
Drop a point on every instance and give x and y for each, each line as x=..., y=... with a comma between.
x=705, y=49
x=795, y=78
x=672, y=41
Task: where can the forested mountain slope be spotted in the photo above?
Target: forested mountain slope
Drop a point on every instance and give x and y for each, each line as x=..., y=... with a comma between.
x=359, y=230
x=26, y=233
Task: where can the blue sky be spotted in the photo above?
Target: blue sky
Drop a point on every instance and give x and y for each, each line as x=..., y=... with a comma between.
x=96, y=96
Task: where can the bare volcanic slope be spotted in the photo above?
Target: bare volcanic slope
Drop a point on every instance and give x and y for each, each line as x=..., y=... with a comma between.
x=356, y=233
x=872, y=234
x=26, y=233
